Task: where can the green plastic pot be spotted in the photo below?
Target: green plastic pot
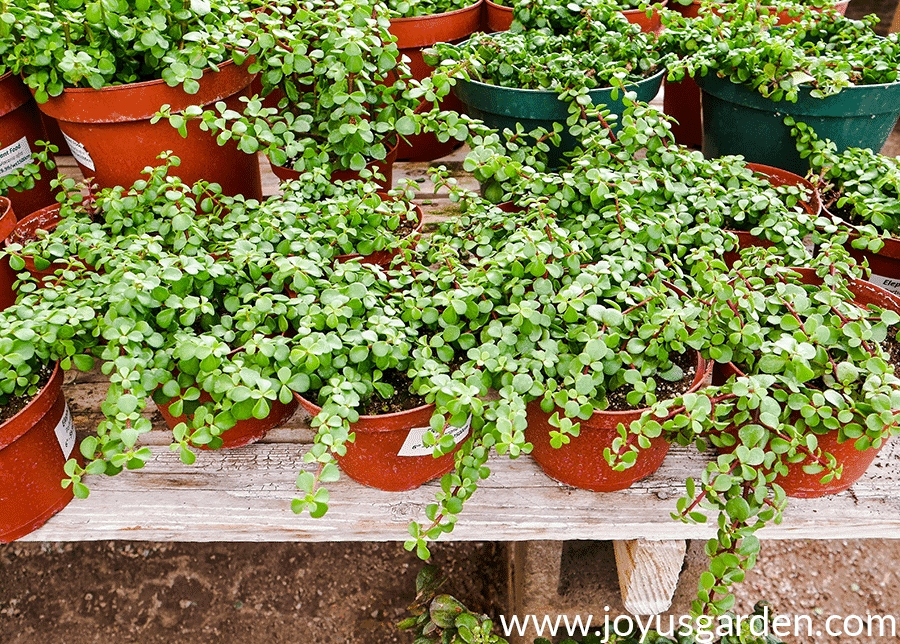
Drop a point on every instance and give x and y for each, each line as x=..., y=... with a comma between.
x=739, y=120
x=503, y=107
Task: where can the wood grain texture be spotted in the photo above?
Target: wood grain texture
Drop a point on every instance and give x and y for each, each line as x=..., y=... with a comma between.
x=648, y=573
x=245, y=495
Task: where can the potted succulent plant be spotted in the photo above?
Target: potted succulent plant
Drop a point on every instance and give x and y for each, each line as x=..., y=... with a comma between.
x=37, y=436
x=348, y=100
x=681, y=99
x=419, y=24
x=102, y=70
x=499, y=16
x=193, y=295
x=562, y=61
x=807, y=403
x=861, y=193
x=831, y=72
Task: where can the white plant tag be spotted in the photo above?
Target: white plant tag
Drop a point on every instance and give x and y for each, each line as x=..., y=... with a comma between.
x=65, y=432
x=887, y=283
x=80, y=152
x=14, y=156
x=414, y=445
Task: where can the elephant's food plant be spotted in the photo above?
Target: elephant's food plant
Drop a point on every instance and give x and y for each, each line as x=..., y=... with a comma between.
x=809, y=358
x=346, y=94
x=182, y=292
x=859, y=186
x=112, y=42
x=566, y=48
x=822, y=51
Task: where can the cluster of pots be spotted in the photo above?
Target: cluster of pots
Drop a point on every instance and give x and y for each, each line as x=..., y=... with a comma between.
x=110, y=136
x=388, y=452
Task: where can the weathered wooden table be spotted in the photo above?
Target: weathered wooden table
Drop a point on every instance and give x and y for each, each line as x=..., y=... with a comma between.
x=245, y=494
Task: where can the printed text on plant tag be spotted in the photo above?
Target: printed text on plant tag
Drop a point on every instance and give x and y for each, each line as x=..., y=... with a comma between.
x=14, y=156
x=414, y=445
x=65, y=432
x=887, y=283
x=80, y=152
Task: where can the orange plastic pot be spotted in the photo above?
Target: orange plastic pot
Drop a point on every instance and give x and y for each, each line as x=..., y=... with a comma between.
x=497, y=17
x=885, y=264
x=777, y=177
x=111, y=137
x=796, y=482
x=20, y=130
x=681, y=99
x=245, y=431
x=384, y=257
x=388, y=452
x=639, y=17
x=500, y=18
x=413, y=35
x=34, y=446
x=26, y=230
x=384, y=167
x=7, y=274
x=581, y=463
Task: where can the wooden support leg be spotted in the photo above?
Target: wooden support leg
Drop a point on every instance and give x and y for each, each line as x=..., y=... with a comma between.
x=648, y=574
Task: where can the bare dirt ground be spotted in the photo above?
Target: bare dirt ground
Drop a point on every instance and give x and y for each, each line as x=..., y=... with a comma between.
x=824, y=578
x=218, y=593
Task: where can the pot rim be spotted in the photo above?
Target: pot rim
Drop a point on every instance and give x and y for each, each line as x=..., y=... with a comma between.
x=52, y=209
x=548, y=92
x=434, y=16
x=312, y=407
x=808, y=273
x=37, y=401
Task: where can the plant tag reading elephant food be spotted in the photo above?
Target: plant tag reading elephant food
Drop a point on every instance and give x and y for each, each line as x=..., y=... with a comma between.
x=65, y=432
x=14, y=156
x=414, y=445
x=891, y=284
x=80, y=152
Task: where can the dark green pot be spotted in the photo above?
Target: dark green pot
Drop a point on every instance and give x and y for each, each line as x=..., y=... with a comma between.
x=738, y=120
x=503, y=107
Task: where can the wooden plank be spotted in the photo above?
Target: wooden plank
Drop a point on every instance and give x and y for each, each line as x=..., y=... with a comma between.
x=648, y=573
x=245, y=494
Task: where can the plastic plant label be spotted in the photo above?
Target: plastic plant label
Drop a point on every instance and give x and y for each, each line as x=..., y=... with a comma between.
x=65, y=432
x=414, y=445
x=80, y=152
x=14, y=156
x=887, y=283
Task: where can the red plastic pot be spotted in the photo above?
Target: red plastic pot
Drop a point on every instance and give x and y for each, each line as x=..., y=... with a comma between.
x=7, y=275
x=388, y=453
x=798, y=483
x=112, y=139
x=885, y=264
x=777, y=177
x=581, y=463
x=385, y=167
x=44, y=219
x=681, y=99
x=384, y=257
x=413, y=35
x=497, y=17
x=639, y=17
x=245, y=431
x=34, y=446
x=20, y=130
